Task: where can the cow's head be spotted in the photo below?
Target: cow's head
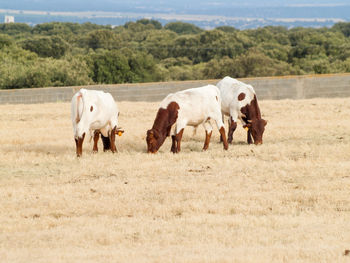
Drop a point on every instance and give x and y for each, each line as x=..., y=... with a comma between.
x=154, y=140
x=257, y=128
x=165, y=118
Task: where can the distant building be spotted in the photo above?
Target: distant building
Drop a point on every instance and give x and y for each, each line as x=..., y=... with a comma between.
x=9, y=19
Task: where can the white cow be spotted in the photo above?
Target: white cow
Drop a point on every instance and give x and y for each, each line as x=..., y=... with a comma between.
x=94, y=112
x=239, y=101
x=190, y=107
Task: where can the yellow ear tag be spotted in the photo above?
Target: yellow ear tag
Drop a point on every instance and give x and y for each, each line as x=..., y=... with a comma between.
x=120, y=133
x=246, y=128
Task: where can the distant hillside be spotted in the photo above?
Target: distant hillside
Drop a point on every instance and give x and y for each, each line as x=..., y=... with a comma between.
x=205, y=15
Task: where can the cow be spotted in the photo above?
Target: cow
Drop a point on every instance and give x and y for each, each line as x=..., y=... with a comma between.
x=190, y=107
x=239, y=101
x=94, y=112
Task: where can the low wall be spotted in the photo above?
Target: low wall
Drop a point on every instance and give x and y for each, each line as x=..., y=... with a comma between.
x=272, y=88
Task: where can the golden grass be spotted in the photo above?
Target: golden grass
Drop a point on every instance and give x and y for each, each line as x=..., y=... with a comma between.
x=284, y=201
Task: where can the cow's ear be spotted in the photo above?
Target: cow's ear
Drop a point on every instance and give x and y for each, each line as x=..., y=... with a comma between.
x=247, y=126
x=265, y=122
x=152, y=134
x=155, y=134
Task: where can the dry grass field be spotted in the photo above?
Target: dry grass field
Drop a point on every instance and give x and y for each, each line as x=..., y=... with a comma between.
x=287, y=200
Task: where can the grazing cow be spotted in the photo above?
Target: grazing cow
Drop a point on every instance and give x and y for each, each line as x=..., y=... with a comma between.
x=239, y=102
x=190, y=107
x=94, y=112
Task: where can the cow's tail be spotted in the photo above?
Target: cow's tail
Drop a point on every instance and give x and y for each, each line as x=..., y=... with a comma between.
x=80, y=107
x=77, y=111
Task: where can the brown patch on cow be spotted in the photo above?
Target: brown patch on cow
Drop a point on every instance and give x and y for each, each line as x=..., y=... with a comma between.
x=216, y=98
x=176, y=142
x=231, y=129
x=96, y=137
x=207, y=140
x=91, y=108
x=249, y=136
x=251, y=111
x=254, y=122
x=346, y=252
x=223, y=135
x=161, y=127
x=241, y=96
x=79, y=145
x=112, y=140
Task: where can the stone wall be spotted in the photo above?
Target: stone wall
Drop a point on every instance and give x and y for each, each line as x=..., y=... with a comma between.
x=268, y=88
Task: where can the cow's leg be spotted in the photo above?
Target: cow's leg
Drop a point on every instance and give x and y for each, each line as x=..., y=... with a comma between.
x=220, y=125
x=208, y=132
x=231, y=129
x=224, y=140
x=178, y=138
x=79, y=145
x=249, y=137
x=173, y=145
x=106, y=143
x=223, y=121
x=96, y=136
x=112, y=140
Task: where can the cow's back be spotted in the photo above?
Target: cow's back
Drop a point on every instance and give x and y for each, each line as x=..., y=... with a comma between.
x=196, y=104
x=234, y=94
x=104, y=101
x=195, y=101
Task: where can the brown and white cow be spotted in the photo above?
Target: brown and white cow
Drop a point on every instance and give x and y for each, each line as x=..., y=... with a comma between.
x=190, y=107
x=239, y=101
x=94, y=112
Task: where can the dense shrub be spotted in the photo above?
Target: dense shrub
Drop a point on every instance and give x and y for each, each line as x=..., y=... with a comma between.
x=23, y=69
x=54, y=47
x=57, y=54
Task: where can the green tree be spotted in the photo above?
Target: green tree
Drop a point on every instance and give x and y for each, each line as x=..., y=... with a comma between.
x=24, y=69
x=216, y=44
x=343, y=27
x=183, y=28
x=109, y=67
x=103, y=38
x=159, y=43
x=15, y=29
x=227, y=29
x=155, y=23
x=46, y=46
x=5, y=40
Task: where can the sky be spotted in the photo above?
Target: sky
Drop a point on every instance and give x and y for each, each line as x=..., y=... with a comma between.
x=178, y=5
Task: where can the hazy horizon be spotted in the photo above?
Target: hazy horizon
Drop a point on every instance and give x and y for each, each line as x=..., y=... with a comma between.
x=205, y=14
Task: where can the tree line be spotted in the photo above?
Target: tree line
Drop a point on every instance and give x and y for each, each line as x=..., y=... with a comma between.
x=68, y=54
